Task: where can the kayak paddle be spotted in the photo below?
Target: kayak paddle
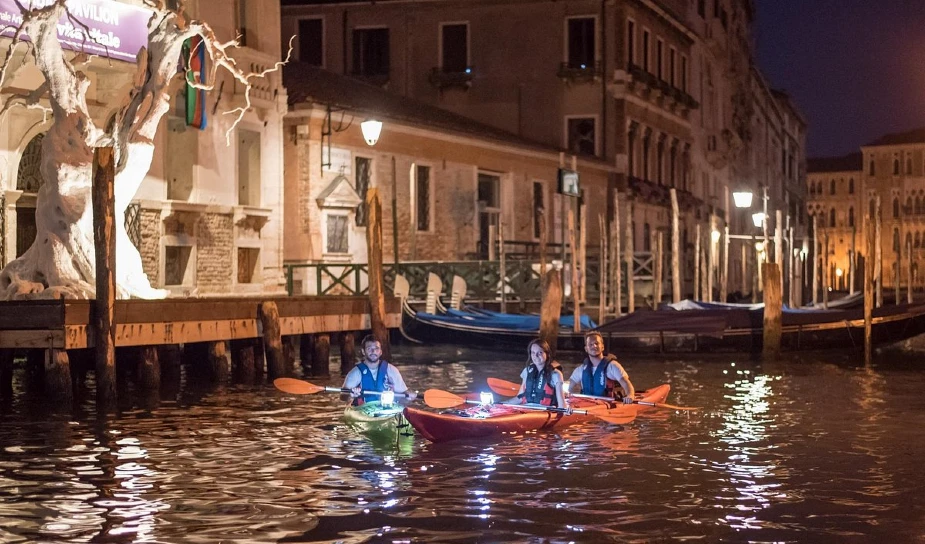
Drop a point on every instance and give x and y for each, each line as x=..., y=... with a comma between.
x=302, y=387
x=436, y=398
x=509, y=389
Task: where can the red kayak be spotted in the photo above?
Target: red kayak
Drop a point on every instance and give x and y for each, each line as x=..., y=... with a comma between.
x=493, y=419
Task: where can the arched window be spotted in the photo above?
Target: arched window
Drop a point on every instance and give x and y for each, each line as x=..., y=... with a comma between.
x=818, y=187
x=29, y=177
x=851, y=186
x=895, y=208
x=895, y=167
x=909, y=166
x=832, y=217
x=872, y=169
x=832, y=187
x=851, y=216
x=812, y=187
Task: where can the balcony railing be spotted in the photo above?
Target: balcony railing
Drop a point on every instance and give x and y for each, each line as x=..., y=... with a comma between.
x=574, y=72
x=443, y=78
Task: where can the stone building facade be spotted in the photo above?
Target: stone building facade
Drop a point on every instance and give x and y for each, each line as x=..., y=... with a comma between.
x=446, y=183
x=665, y=92
x=835, y=197
x=208, y=217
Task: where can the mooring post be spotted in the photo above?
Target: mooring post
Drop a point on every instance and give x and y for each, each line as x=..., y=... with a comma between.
x=551, y=308
x=104, y=175
x=272, y=340
x=149, y=369
x=218, y=361
x=321, y=356
x=869, y=293
x=6, y=373
x=242, y=361
x=306, y=352
x=374, y=272
x=773, y=308
x=348, y=352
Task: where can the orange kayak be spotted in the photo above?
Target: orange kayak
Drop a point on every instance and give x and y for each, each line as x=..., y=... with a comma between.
x=495, y=419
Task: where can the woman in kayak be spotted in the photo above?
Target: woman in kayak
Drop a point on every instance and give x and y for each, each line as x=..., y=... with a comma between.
x=541, y=379
x=374, y=374
x=600, y=373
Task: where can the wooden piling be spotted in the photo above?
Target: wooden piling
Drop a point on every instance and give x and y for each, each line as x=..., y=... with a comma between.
x=675, y=248
x=658, y=269
x=551, y=308
x=243, y=365
x=6, y=373
x=773, y=308
x=541, y=218
x=724, y=274
x=852, y=263
x=321, y=364
x=617, y=255
x=348, y=352
x=582, y=224
x=630, y=272
x=168, y=357
x=374, y=272
x=825, y=270
x=816, y=258
x=218, y=361
x=909, y=273
x=878, y=253
x=58, y=386
x=268, y=314
x=697, y=287
x=502, y=268
x=149, y=369
x=306, y=353
x=604, y=269
x=103, y=195
x=868, y=289
x=573, y=275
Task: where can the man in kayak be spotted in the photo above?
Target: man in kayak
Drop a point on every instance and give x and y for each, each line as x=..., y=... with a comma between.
x=541, y=379
x=600, y=373
x=374, y=374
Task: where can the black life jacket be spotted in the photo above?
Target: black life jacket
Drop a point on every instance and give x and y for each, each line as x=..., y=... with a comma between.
x=537, y=389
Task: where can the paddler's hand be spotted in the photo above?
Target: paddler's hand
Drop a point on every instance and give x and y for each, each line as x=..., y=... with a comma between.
x=627, y=400
x=356, y=391
x=568, y=410
x=411, y=395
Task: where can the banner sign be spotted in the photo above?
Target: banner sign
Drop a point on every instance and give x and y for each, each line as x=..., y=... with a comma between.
x=568, y=182
x=113, y=29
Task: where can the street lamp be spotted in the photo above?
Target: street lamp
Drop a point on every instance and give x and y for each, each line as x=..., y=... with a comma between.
x=758, y=218
x=742, y=199
x=371, y=129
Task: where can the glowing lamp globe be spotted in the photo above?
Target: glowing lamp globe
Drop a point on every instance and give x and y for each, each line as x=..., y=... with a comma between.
x=742, y=199
x=371, y=130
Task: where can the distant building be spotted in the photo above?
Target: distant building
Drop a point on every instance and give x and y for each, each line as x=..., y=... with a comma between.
x=664, y=91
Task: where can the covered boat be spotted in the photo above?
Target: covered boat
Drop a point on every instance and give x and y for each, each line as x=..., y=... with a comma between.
x=497, y=419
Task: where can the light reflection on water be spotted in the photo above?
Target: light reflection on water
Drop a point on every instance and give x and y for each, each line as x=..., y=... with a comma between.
x=806, y=451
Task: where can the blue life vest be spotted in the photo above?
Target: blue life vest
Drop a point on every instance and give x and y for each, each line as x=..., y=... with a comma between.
x=367, y=383
x=597, y=384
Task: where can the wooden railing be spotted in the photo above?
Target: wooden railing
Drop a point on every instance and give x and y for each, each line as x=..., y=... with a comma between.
x=483, y=278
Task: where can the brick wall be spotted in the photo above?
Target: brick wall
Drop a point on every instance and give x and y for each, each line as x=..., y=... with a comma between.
x=214, y=253
x=150, y=249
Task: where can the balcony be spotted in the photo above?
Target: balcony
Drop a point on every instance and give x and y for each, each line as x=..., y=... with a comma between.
x=647, y=85
x=264, y=90
x=660, y=195
x=573, y=72
x=444, y=78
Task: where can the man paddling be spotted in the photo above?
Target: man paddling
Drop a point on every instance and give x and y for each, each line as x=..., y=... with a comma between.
x=600, y=373
x=374, y=374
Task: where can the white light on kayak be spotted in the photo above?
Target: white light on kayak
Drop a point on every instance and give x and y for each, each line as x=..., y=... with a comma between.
x=486, y=397
x=387, y=398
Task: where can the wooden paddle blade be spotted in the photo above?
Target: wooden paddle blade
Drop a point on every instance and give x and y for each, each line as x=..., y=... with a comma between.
x=503, y=387
x=663, y=405
x=296, y=387
x=436, y=398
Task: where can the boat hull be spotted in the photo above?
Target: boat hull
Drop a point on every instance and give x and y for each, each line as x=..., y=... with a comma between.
x=371, y=418
x=500, y=419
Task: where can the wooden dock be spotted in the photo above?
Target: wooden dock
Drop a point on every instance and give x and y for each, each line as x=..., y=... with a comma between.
x=48, y=330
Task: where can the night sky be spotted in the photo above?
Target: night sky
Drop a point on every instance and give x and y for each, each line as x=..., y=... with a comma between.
x=856, y=68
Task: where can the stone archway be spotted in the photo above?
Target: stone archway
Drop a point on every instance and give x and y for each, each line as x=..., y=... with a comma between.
x=28, y=180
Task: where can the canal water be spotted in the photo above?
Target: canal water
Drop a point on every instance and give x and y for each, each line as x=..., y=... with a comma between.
x=797, y=451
